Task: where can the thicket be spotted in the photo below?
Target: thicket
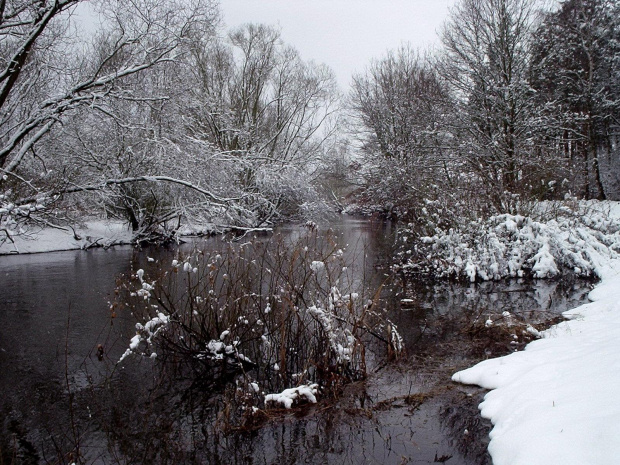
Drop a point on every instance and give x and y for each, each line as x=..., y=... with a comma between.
x=268, y=323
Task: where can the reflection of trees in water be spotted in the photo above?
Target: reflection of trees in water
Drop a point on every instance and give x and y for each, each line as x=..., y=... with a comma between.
x=452, y=313
x=376, y=421
x=56, y=421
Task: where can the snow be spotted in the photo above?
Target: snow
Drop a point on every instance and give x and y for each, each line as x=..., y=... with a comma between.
x=341, y=341
x=556, y=401
x=146, y=333
x=579, y=237
x=317, y=266
x=288, y=396
x=96, y=232
x=544, y=263
x=470, y=271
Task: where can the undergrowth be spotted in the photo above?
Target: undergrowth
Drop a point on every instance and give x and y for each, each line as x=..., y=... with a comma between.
x=555, y=238
x=265, y=324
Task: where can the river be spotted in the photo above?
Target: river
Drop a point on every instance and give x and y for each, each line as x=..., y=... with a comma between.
x=58, y=397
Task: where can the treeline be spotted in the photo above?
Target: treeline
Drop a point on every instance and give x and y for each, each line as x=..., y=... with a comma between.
x=158, y=117
x=517, y=105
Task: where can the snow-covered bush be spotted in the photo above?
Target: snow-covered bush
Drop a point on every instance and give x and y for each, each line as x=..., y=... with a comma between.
x=259, y=318
x=575, y=238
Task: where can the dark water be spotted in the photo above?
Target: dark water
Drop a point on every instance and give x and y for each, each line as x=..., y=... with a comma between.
x=58, y=397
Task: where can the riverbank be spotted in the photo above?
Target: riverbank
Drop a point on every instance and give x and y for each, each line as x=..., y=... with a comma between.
x=99, y=233
x=94, y=233
x=552, y=239
x=556, y=401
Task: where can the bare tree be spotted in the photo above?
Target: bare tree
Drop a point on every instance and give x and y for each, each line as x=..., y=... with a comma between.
x=399, y=107
x=264, y=110
x=48, y=75
x=486, y=61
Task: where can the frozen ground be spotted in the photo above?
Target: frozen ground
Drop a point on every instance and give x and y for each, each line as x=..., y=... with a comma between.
x=556, y=402
x=93, y=233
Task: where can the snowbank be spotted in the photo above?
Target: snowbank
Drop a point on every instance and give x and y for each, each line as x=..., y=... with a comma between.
x=577, y=238
x=556, y=401
x=93, y=233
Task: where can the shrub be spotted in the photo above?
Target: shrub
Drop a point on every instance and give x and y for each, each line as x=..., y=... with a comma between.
x=556, y=238
x=259, y=318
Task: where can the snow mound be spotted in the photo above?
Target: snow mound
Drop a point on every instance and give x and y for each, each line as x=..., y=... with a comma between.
x=287, y=397
x=579, y=241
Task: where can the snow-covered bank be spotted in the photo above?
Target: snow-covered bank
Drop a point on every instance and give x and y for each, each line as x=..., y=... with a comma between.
x=99, y=233
x=557, y=237
x=91, y=234
x=556, y=402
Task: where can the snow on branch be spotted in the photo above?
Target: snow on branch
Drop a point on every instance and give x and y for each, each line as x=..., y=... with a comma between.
x=111, y=182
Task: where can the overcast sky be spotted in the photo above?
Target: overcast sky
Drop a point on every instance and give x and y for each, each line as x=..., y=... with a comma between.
x=344, y=34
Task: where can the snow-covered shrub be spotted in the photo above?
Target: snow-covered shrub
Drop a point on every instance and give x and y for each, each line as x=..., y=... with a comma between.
x=259, y=318
x=573, y=240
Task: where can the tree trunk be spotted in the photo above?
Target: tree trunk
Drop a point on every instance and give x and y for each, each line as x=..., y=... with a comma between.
x=608, y=156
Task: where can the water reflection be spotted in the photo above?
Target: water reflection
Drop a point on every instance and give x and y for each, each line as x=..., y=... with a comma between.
x=440, y=313
x=53, y=312
x=57, y=395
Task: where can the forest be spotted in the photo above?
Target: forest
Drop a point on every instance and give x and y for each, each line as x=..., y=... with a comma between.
x=162, y=119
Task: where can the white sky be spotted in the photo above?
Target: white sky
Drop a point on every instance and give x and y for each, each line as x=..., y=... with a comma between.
x=344, y=34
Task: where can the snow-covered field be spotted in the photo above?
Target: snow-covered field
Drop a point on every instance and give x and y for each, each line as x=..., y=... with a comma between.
x=556, y=402
x=92, y=233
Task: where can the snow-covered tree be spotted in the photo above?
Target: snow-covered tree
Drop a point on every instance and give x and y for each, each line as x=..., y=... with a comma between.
x=49, y=75
x=486, y=60
x=576, y=72
x=155, y=117
x=265, y=111
x=399, y=108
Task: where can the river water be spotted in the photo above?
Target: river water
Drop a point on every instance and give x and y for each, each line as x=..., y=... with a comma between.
x=59, y=397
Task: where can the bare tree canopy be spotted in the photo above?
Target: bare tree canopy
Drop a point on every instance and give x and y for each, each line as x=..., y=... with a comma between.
x=218, y=126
